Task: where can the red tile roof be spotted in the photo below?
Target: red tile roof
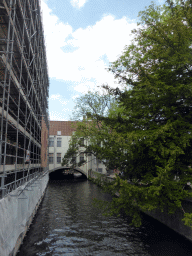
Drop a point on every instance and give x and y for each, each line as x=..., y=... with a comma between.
x=66, y=127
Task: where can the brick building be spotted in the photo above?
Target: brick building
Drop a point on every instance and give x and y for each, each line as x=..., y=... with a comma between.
x=60, y=133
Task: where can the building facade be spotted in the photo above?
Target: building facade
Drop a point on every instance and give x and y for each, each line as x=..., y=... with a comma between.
x=60, y=133
x=24, y=91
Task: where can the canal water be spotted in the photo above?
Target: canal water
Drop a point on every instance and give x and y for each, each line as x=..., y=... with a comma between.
x=68, y=224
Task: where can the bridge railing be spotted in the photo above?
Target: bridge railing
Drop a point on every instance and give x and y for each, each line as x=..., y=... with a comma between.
x=8, y=188
x=67, y=167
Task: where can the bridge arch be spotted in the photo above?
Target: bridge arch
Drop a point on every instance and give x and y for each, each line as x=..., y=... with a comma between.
x=58, y=171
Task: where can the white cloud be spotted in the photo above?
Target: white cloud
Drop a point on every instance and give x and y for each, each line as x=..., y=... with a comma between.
x=66, y=110
x=54, y=96
x=59, y=98
x=94, y=44
x=57, y=116
x=78, y=3
x=74, y=97
x=84, y=86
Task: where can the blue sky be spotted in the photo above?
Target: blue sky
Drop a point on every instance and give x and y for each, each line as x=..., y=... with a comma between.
x=82, y=37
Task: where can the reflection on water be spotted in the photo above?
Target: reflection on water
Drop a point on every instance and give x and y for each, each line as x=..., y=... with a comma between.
x=68, y=224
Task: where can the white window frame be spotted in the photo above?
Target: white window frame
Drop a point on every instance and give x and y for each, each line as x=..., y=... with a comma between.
x=58, y=158
x=59, y=142
x=51, y=141
x=82, y=157
x=51, y=157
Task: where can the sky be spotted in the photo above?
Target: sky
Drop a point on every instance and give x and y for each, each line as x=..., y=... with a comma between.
x=82, y=38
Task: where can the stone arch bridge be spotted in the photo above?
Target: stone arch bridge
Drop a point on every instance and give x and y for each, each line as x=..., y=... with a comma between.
x=58, y=171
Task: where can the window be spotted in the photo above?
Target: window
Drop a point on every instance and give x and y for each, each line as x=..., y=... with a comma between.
x=58, y=158
x=99, y=170
x=82, y=142
x=59, y=142
x=97, y=161
x=51, y=158
x=51, y=142
x=81, y=157
x=58, y=132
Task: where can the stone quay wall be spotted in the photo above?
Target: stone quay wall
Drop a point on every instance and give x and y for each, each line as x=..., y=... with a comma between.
x=16, y=214
x=173, y=221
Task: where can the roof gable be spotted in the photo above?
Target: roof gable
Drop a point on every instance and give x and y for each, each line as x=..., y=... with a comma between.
x=66, y=127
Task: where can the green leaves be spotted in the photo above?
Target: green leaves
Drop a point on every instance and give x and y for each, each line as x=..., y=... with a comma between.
x=187, y=219
x=156, y=112
x=92, y=104
x=145, y=130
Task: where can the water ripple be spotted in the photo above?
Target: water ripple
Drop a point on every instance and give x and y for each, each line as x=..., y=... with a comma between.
x=68, y=224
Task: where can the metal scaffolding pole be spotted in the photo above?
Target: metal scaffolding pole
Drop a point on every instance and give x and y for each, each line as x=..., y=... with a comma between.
x=23, y=91
x=9, y=51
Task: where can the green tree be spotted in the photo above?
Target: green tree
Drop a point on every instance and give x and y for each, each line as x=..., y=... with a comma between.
x=101, y=141
x=157, y=68
x=95, y=132
x=92, y=104
x=147, y=132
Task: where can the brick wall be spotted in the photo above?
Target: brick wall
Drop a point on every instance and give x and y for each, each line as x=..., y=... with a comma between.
x=44, y=144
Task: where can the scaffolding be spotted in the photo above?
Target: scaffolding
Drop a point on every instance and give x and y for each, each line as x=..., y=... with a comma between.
x=24, y=86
